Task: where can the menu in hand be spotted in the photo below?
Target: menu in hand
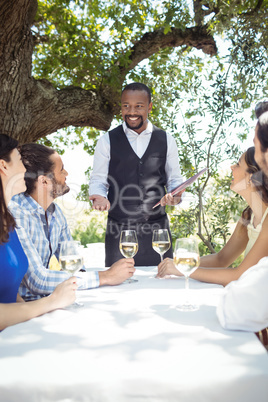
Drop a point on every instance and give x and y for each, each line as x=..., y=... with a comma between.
x=185, y=184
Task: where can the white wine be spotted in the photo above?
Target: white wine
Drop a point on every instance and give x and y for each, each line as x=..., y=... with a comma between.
x=187, y=263
x=71, y=263
x=161, y=246
x=128, y=249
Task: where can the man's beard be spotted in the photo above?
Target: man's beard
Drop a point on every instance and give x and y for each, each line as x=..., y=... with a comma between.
x=139, y=125
x=59, y=189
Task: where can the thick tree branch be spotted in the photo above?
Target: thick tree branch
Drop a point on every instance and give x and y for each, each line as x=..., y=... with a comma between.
x=152, y=42
x=50, y=109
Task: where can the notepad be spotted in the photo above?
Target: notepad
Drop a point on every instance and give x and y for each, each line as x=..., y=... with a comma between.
x=185, y=184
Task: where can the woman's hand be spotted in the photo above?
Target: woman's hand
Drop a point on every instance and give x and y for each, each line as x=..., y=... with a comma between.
x=167, y=267
x=64, y=294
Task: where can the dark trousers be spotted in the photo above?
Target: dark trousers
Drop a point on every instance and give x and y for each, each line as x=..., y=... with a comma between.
x=146, y=255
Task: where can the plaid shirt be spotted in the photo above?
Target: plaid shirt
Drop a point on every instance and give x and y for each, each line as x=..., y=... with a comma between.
x=40, y=233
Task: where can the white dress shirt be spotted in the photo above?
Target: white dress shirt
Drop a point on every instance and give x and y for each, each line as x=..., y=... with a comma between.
x=139, y=143
x=244, y=305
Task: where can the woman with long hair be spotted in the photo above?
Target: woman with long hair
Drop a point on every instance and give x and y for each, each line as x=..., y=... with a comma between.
x=251, y=232
x=14, y=263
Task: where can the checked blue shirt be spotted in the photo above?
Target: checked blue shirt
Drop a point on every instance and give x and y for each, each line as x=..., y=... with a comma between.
x=40, y=234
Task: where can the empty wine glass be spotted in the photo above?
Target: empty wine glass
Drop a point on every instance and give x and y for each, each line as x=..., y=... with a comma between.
x=128, y=246
x=71, y=259
x=186, y=258
x=161, y=241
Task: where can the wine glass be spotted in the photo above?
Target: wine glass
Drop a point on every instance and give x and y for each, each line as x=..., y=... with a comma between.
x=70, y=259
x=186, y=258
x=161, y=241
x=128, y=246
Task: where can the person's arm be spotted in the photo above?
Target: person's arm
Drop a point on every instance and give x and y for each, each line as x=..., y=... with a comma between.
x=226, y=256
x=237, y=244
x=14, y=313
x=243, y=305
x=39, y=280
x=98, y=186
x=225, y=276
x=173, y=173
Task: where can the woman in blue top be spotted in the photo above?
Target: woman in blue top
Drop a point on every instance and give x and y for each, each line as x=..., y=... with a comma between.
x=13, y=261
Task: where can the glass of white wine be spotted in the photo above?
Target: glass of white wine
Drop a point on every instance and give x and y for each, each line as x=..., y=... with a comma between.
x=128, y=246
x=161, y=241
x=71, y=259
x=186, y=259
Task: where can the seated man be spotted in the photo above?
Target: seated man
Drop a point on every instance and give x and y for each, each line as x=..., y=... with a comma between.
x=41, y=226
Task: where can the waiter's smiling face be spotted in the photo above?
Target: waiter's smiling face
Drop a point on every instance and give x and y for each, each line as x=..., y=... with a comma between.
x=135, y=107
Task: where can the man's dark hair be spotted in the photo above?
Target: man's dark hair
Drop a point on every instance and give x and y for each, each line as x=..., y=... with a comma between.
x=138, y=86
x=262, y=131
x=37, y=161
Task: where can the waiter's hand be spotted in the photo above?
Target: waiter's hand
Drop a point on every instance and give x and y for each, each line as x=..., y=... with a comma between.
x=168, y=199
x=100, y=203
x=118, y=273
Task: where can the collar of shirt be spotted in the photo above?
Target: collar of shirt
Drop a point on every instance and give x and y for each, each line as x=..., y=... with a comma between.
x=148, y=130
x=139, y=142
x=33, y=205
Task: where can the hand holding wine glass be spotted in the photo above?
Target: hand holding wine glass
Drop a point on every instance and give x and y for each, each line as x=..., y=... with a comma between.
x=128, y=246
x=186, y=259
x=70, y=259
x=161, y=241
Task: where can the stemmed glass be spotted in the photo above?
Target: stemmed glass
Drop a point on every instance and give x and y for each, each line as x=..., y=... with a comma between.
x=70, y=259
x=186, y=258
x=128, y=246
x=161, y=241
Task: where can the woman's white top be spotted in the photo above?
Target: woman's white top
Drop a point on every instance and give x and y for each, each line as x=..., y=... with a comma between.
x=253, y=232
x=244, y=304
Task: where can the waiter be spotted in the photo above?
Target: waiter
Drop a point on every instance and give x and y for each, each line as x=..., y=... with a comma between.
x=134, y=165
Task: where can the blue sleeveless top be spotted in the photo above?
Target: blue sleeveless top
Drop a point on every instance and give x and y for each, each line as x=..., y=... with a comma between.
x=13, y=266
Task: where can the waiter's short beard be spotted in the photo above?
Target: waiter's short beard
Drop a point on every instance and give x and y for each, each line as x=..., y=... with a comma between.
x=134, y=128
x=59, y=189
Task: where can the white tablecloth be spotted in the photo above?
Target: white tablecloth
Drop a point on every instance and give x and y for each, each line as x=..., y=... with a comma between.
x=130, y=343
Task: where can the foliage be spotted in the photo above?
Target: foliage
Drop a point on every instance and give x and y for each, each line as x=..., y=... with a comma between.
x=82, y=43
x=92, y=230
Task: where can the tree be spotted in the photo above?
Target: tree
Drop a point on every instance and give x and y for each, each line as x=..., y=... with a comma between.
x=82, y=52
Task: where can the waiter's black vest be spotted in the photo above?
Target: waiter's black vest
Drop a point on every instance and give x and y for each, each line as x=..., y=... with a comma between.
x=136, y=184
